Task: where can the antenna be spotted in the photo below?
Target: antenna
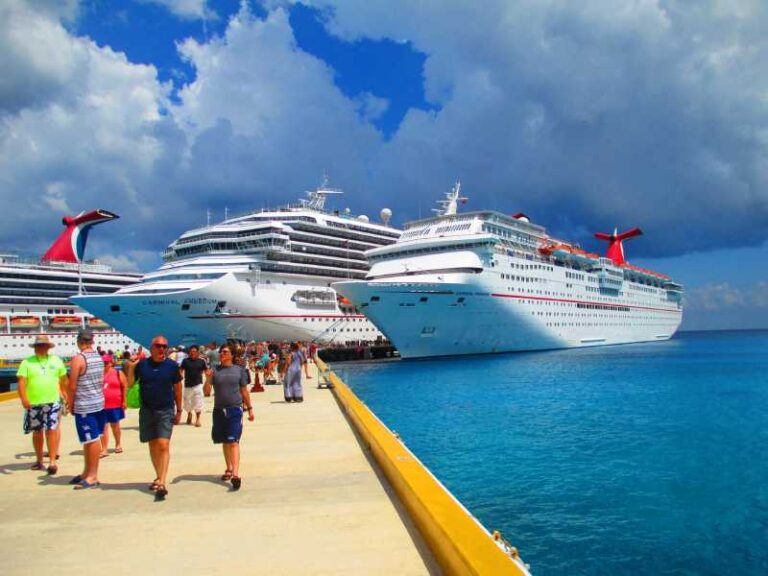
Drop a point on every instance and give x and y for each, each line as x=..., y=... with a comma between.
x=316, y=198
x=208, y=218
x=448, y=207
x=226, y=212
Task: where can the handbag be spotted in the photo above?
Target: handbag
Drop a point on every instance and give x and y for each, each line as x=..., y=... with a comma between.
x=133, y=396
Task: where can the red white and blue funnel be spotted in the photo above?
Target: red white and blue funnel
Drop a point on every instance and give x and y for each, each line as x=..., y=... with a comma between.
x=615, y=249
x=70, y=245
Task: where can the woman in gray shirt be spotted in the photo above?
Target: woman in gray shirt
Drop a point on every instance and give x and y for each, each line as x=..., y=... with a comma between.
x=230, y=395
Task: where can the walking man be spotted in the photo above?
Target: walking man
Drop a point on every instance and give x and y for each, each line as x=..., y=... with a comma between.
x=192, y=369
x=86, y=402
x=42, y=381
x=160, y=391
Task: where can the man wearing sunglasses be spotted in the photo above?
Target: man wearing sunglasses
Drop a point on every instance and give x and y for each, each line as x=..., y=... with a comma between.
x=160, y=391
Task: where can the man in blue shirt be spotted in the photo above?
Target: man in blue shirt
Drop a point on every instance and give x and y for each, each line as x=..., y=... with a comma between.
x=160, y=392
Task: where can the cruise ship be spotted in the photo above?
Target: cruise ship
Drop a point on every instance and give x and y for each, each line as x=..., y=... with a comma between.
x=34, y=294
x=265, y=275
x=485, y=282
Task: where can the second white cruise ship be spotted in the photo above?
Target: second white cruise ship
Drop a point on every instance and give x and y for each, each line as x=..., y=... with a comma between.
x=266, y=275
x=484, y=282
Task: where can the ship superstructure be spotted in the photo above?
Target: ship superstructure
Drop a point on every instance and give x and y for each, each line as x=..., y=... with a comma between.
x=485, y=282
x=34, y=294
x=265, y=275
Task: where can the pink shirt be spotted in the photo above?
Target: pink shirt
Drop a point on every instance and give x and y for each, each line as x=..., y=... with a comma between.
x=113, y=395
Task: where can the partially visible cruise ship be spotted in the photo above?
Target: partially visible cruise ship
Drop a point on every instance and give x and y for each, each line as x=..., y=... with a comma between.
x=34, y=295
x=266, y=275
x=484, y=282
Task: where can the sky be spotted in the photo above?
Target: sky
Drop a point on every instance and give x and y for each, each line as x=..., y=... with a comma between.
x=586, y=115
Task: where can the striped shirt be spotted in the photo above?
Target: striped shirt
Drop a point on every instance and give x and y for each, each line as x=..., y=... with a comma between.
x=89, y=396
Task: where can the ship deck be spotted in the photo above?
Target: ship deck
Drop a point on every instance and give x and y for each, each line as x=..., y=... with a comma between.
x=313, y=502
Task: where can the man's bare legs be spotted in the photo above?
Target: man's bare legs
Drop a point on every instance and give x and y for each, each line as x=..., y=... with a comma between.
x=159, y=452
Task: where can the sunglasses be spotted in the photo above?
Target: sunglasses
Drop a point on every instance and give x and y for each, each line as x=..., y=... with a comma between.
x=161, y=346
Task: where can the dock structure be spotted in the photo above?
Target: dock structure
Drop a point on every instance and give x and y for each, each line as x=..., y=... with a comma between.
x=315, y=499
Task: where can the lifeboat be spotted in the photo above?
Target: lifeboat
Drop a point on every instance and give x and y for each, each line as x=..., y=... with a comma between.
x=570, y=253
x=643, y=272
x=65, y=322
x=24, y=323
x=97, y=324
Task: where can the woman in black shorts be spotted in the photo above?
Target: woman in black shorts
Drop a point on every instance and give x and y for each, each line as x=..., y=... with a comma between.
x=230, y=396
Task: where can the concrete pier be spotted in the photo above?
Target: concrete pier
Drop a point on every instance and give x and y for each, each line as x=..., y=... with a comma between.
x=312, y=502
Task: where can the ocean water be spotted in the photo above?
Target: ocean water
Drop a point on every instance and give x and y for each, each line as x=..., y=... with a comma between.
x=636, y=459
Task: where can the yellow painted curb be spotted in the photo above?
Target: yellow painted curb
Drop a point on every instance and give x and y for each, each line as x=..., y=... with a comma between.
x=5, y=396
x=460, y=544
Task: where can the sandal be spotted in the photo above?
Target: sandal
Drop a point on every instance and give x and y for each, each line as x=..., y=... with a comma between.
x=37, y=466
x=160, y=493
x=119, y=450
x=76, y=480
x=84, y=485
x=155, y=485
x=227, y=476
x=236, y=482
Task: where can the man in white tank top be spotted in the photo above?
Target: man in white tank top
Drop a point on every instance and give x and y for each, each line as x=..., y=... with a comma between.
x=86, y=402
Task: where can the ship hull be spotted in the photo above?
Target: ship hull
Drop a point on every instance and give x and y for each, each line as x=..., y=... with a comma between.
x=430, y=319
x=229, y=308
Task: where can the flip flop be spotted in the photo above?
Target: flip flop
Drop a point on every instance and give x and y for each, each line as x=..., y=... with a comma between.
x=84, y=485
x=37, y=466
x=103, y=455
x=76, y=480
x=155, y=485
x=119, y=450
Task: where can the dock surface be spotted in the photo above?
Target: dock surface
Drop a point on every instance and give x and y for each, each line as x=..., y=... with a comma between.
x=312, y=502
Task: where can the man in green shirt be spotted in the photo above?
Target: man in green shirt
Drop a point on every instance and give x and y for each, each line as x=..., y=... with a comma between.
x=42, y=383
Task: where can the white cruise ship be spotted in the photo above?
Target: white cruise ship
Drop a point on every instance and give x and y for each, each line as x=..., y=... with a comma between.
x=484, y=282
x=34, y=295
x=266, y=275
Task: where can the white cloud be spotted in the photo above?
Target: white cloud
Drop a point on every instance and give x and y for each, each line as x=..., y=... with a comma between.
x=186, y=9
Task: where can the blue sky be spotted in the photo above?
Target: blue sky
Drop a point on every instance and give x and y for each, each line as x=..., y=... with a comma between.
x=586, y=115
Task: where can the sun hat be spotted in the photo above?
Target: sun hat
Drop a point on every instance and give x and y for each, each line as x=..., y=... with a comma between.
x=42, y=340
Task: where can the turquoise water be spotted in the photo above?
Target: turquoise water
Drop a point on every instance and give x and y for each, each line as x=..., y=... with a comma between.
x=637, y=459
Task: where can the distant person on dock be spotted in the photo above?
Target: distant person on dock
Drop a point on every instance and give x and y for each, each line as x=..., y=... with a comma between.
x=138, y=355
x=86, y=402
x=292, y=383
x=193, y=369
x=115, y=387
x=161, y=407
x=42, y=381
x=304, y=359
x=230, y=392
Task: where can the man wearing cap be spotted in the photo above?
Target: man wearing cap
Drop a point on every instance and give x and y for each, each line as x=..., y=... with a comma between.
x=86, y=402
x=160, y=391
x=42, y=382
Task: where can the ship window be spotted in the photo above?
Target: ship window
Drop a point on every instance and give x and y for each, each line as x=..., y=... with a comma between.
x=114, y=308
x=185, y=306
x=375, y=298
x=423, y=299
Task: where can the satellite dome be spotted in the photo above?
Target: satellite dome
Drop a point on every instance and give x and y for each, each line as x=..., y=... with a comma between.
x=385, y=214
x=363, y=218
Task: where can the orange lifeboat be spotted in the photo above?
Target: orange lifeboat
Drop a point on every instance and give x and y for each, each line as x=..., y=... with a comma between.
x=97, y=324
x=65, y=322
x=24, y=323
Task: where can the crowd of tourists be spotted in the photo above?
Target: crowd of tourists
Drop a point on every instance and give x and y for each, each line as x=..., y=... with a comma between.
x=163, y=384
